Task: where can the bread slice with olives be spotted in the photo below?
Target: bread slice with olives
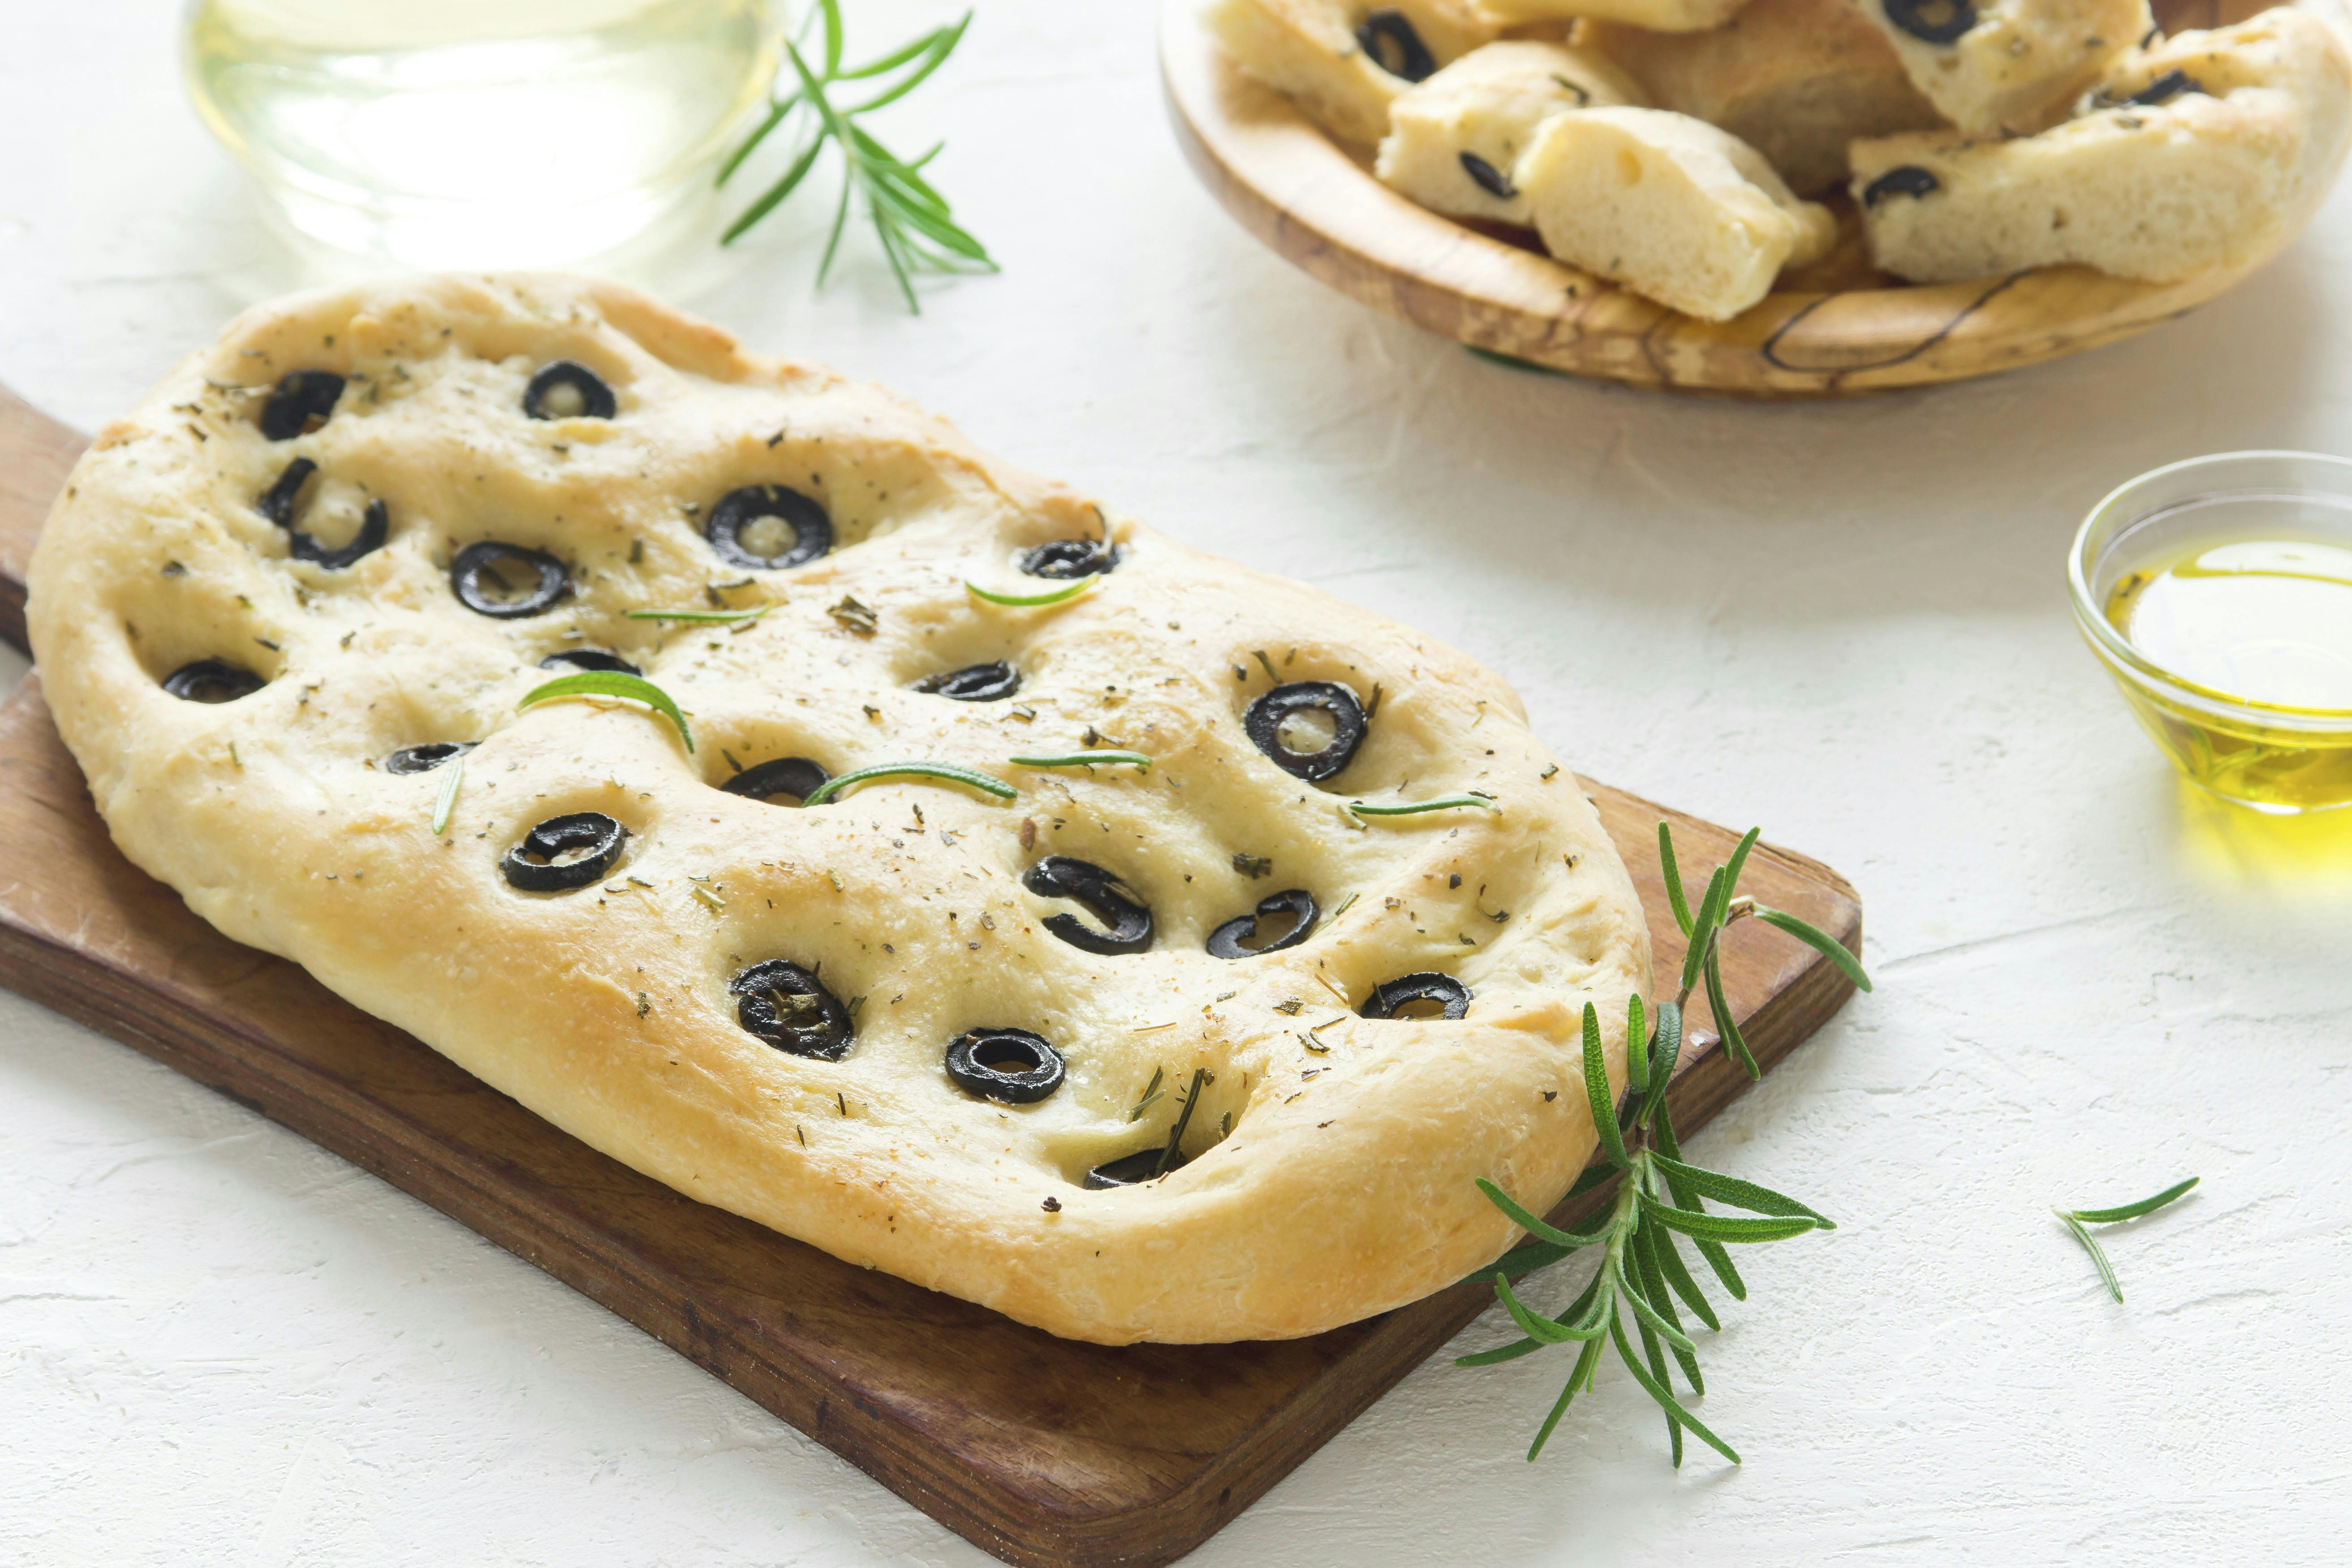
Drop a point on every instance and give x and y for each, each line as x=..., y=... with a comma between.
x=1343, y=61
x=2207, y=150
x=1660, y=15
x=1455, y=141
x=1996, y=67
x=965, y=883
x=1796, y=79
x=1669, y=207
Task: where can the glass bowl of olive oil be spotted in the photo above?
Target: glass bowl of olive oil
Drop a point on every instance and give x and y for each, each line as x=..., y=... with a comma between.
x=2217, y=593
x=439, y=133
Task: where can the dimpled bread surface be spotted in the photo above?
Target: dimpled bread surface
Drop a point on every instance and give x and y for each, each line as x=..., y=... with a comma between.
x=1331, y=1155
x=2219, y=174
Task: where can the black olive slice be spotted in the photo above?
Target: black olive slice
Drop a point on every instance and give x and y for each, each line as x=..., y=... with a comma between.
x=490, y=567
x=795, y=776
x=278, y=502
x=790, y=1008
x=1390, y=998
x=1297, y=903
x=565, y=390
x=1910, y=180
x=975, y=683
x=1388, y=37
x=739, y=523
x=1068, y=558
x=2171, y=84
x=1126, y=918
x=1012, y=1066
x=1932, y=21
x=304, y=400
x=1488, y=177
x=423, y=759
x=212, y=681
x=588, y=658
x=1277, y=722
x=1129, y=1170
x=531, y=865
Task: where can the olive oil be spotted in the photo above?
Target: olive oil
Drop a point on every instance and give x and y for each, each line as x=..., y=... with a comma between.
x=466, y=133
x=2254, y=631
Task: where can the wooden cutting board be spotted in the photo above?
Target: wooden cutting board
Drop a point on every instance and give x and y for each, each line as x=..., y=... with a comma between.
x=1042, y=1451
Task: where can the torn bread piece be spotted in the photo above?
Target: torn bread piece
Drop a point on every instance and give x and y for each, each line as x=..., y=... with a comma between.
x=1455, y=141
x=2209, y=150
x=1344, y=62
x=1796, y=79
x=2008, y=65
x=1669, y=207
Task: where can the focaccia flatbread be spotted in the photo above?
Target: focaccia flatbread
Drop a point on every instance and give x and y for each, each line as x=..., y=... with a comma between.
x=287, y=599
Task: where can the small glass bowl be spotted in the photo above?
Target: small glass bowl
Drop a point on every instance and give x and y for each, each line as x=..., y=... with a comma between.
x=2273, y=758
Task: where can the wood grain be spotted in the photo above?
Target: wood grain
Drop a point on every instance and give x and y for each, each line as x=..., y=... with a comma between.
x=1315, y=202
x=1040, y=1450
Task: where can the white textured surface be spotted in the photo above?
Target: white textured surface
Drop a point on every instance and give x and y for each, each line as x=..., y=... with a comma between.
x=1847, y=623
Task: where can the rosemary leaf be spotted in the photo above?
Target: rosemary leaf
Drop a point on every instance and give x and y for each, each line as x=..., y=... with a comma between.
x=1658, y=1369
x=1596, y=1091
x=1726, y=1021
x=1704, y=926
x=2098, y=1254
x=1650, y=1275
x=1637, y=1045
x=1738, y=863
x=1566, y=1240
x=1671, y=872
x=1061, y=596
x=1442, y=803
x=611, y=683
x=2133, y=1211
x=709, y=617
x=1727, y=1227
x=1657, y=1391
x=1820, y=941
x=1665, y=1049
x=447, y=801
x=1677, y=1273
x=842, y=782
x=1656, y=1321
x=1543, y=1331
x=1584, y=1363
x=1136, y=760
x=1742, y=1194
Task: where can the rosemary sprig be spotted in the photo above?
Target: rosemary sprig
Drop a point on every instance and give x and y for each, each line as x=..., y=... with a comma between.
x=950, y=771
x=2079, y=1221
x=1659, y=1194
x=611, y=683
x=1061, y=596
x=911, y=219
x=1134, y=759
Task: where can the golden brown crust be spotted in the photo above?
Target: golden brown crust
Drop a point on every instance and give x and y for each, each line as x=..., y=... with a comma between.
x=1345, y=1185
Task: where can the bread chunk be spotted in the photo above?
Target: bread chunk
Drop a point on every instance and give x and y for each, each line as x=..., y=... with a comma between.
x=1796, y=79
x=2008, y=65
x=2207, y=150
x=1454, y=141
x=1343, y=61
x=1669, y=207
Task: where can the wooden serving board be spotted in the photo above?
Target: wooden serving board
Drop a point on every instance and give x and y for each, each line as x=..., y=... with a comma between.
x=1040, y=1450
x=1837, y=328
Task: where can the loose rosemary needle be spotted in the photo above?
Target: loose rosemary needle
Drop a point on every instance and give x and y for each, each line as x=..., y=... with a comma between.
x=912, y=221
x=2079, y=1221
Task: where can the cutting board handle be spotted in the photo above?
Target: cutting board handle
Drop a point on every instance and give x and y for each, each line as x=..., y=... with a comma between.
x=35, y=452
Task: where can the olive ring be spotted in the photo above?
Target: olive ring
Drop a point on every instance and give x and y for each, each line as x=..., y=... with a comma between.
x=594, y=658
x=1916, y=17
x=212, y=681
x=599, y=836
x=1910, y=180
x=1389, y=996
x=1388, y=39
x=1131, y=1170
x=1225, y=941
x=1266, y=717
x=739, y=509
x=1010, y=1066
x=1069, y=558
x=975, y=683
x=795, y=776
x=596, y=400
x=789, y=1007
x=304, y=400
x=1126, y=918
x=276, y=503
x=423, y=759
x=551, y=583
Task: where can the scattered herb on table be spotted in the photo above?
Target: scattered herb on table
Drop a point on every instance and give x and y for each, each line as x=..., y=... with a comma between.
x=2079, y=1221
x=1658, y=1195
x=912, y=221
